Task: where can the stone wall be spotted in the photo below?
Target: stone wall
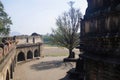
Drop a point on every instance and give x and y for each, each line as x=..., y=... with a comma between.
x=5, y=48
x=100, y=43
x=102, y=6
x=7, y=59
x=28, y=39
x=11, y=47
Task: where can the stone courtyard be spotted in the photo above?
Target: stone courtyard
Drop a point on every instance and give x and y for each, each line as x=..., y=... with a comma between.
x=48, y=68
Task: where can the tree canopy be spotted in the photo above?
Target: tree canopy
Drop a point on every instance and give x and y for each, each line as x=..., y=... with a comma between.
x=68, y=24
x=5, y=21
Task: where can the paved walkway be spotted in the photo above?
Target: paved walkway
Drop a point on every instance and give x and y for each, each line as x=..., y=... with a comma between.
x=48, y=68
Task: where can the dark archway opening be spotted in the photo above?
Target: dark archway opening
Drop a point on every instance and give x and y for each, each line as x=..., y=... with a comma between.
x=36, y=53
x=7, y=75
x=11, y=71
x=29, y=55
x=21, y=57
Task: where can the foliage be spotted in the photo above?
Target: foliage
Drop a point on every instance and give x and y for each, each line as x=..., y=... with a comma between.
x=5, y=21
x=66, y=34
x=47, y=39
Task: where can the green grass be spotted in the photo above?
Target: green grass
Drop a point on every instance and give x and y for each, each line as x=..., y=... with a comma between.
x=57, y=55
x=47, y=45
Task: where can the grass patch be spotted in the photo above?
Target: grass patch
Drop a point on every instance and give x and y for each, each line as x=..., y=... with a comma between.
x=51, y=45
x=56, y=54
x=54, y=51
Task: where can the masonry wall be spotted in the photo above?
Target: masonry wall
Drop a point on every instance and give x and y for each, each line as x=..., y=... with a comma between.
x=100, y=43
x=11, y=47
x=28, y=39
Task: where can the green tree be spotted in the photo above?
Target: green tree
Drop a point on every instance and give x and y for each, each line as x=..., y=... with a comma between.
x=46, y=39
x=5, y=21
x=66, y=34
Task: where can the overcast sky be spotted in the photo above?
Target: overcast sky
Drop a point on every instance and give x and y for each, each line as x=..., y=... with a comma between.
x=38, y=16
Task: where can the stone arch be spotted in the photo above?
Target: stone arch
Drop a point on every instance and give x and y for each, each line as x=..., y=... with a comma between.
x=36, y=53
x=7, y=75
x=29, y=55
x=21, y=56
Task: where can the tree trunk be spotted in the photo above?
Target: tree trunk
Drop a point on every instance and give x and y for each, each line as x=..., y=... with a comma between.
x=71, y=54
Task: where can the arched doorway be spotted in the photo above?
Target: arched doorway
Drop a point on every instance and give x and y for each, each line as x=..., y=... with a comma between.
x=36, y=53
x=7, y=75
x=29, y=55
x=11, y=71
x=21, y=57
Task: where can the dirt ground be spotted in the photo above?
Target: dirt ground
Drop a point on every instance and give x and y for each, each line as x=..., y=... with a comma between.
x=51, y=67
x=48, y=68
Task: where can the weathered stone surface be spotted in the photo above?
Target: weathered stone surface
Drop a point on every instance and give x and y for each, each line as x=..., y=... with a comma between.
x=100, y=33
x=118, y=7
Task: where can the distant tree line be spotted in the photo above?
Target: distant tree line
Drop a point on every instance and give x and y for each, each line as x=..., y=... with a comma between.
x=47, y=39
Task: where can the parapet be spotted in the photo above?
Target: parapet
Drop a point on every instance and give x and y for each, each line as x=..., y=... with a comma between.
x=25, y=39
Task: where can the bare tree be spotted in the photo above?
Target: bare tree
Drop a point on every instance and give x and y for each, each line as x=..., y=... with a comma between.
x=66, y=34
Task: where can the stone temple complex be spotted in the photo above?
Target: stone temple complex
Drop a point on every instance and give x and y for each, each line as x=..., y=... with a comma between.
x=100, y=41
x=99, y=45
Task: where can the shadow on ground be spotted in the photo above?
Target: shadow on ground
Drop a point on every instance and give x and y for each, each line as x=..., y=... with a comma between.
x=52, y=64
x=70, y=77
x=65, y=78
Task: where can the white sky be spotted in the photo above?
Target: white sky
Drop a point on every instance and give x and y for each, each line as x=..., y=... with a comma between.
x=38, y=16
